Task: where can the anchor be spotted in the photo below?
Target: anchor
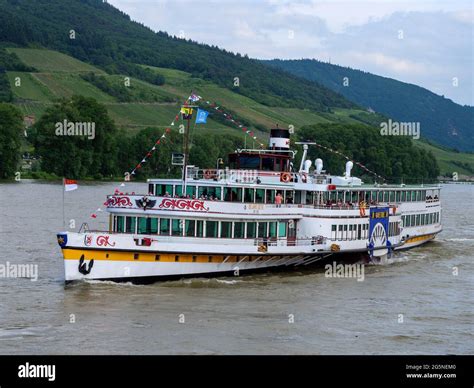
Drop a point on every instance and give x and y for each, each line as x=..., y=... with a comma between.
x=83, y=266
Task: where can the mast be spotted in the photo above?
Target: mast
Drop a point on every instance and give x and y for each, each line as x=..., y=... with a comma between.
x=187, y=117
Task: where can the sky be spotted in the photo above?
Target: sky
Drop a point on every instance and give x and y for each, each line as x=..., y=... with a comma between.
x=427, y=43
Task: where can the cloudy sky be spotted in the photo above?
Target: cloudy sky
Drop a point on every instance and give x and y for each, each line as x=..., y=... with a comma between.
x=428, y=43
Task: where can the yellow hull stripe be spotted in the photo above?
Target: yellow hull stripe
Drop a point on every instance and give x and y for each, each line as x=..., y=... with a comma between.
x=420, y=238
x=75, y=254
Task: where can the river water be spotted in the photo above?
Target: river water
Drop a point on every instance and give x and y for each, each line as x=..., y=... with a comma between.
x=422, y=302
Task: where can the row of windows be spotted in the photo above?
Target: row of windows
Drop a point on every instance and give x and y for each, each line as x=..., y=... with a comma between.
x=239, y=194
x=200, y=228
x=393, y=229
x=387, y=196
x=420, y=219
x=349, y=232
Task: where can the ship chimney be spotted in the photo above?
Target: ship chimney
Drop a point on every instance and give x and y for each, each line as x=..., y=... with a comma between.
x=279, y=139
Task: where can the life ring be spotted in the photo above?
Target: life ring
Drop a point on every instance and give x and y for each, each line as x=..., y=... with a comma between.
x=285, y=177
x=362, y=206
x=304, y=177
x=335, y=248
x=209, y=174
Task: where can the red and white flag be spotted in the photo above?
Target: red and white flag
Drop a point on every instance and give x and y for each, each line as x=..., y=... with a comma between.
x=69, y=184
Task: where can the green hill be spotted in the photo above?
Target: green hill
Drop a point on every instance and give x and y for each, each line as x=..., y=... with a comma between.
x=141, y=76
x=96, y=32
x=149, y=104
x=441, y=120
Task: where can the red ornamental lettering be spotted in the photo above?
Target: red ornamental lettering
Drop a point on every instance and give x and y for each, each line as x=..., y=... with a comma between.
x=119, y=202
x=103, y=241
x=183, y=204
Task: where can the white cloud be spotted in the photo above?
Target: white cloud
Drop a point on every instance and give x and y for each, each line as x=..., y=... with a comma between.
x=386, y=62
x=436, y=44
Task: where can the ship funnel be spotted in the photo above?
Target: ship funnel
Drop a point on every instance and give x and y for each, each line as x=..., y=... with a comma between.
x=349, y=166
x=319, y=165
x=307, y=165
x=279, y=139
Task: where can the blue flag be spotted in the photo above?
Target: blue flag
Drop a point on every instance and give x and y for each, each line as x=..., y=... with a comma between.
x=201, y=116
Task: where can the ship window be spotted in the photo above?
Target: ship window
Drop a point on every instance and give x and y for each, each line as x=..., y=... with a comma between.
x=333, y=232
x=191, y=191
x=267, y=164
x=251, y=229
x=272, y=229
x=402, y=196
x=142, y=229
x=214, y=192
x=165, y=226
x=380, y=196
x=252, y=162
x=233, y=194
x=249, y=195
x=339, y=234
x=413, y=196
x=163, y=189
x=354, y=197
x=259, y=195
x=157, y=257
x=130, y=223
x=203, y=191
x=178, y=190
x=151, y=188
x=153, y=222
x=297, y=197
x=177, y=227
x=136, y=256
x=190, y=228
x=226, y=229
x=398, y=195
x=239, y=229
x=176, y=258
x=289, y=195
x=350, y=232
x=199, y=228
x=211, y=228
x=417, y=220
x=147, y=225
x=309, y=198
x=270, y=197
x=262, y=229
x=392, y=196
x=120, y=226
x=386, y=195
x=282, y=229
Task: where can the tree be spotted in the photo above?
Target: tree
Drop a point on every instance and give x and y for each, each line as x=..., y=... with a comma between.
x=66, y=150
x=11, y=126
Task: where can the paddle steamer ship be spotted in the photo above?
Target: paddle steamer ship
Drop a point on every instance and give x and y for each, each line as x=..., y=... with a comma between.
x=259, y=213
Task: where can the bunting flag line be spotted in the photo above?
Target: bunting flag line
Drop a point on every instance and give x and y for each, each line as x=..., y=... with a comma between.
x=227, y=116
x=193, y=98
x=347, y=158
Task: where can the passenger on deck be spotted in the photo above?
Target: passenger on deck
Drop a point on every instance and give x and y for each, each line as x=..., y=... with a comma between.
x=278, y=200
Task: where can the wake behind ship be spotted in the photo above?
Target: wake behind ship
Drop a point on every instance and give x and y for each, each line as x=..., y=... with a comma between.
x=259, y=213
